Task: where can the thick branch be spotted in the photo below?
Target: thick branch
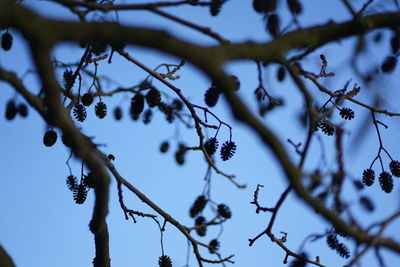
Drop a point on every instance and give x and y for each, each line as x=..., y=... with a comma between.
x=12, y=79
x=82, y=147
x=30, y=24
x=5, y=259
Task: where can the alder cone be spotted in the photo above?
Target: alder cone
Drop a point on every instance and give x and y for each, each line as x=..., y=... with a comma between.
x=368, y=177
x=87, y=99
x=79, y=112
x=6, y=41
x=137, y=104
x=100, y=110
x=66, y=141
x=198, y=206
x=389, y=64
x=273, y=25
x=164, y=147
x=11, y=110
x=153, y=97
x=395, y=42
x=202, y=230
x=281, y=74
x=50, y=138
x=68, y=77
x=264, y=6
x=295, y=7
x=347, y=113
x=177, y=104
x=215, y=7
x=386, y=182
x=23, y=110
x=366, y=203
x=72, y=183
x=164, y=261
x=211, y=145
x=228, y=150
x=147, y=116
x=214, y=246
x=80, y=194
x=224, y=211
x=117, y=113
x=260, y=6
x=326, y=127
x=394, y=166
x=211, y=96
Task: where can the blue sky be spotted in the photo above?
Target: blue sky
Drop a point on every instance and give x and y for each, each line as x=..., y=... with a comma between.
x=42, y=226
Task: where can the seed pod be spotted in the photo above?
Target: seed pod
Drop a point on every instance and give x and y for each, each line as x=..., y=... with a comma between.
x=72, y=183
x=394, y=166
x=164, y=147
x=215, y=7
x=153, y=97
x=368, y=177
x=366, y=203
x=294, y=6
x=50, y=138
x=68, y=79
x=79, y=112
x=334, y=244
x=264, y=6
x=326, y=127
x=273, y=25
x=214, y=246
x=358, y=185
x=389, y=64
x=65, y=140
x=117, y=113
x=177, y=105
x=23, y=110
x=260, y=6
x=386, y=182
x=281, y=74
x=338, y=232
x=211, y=96
x=180, y=154
x=202, y=230
x=347, y=113
x=228, y=149
x=11, y=110
x=80, y=194
x=87, y=99
x=164, y=261
x=145, y=84
x=300, y=262
x=100, y=109
x=343, y=251
x=198, y=206
x=6, y=41
x=395, y=42
x=211, y=145
x=147, y=116
x=224, y=211
x=332, y=241
x=137, y=104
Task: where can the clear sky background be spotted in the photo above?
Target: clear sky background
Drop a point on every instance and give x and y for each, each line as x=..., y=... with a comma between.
x=40, y=225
